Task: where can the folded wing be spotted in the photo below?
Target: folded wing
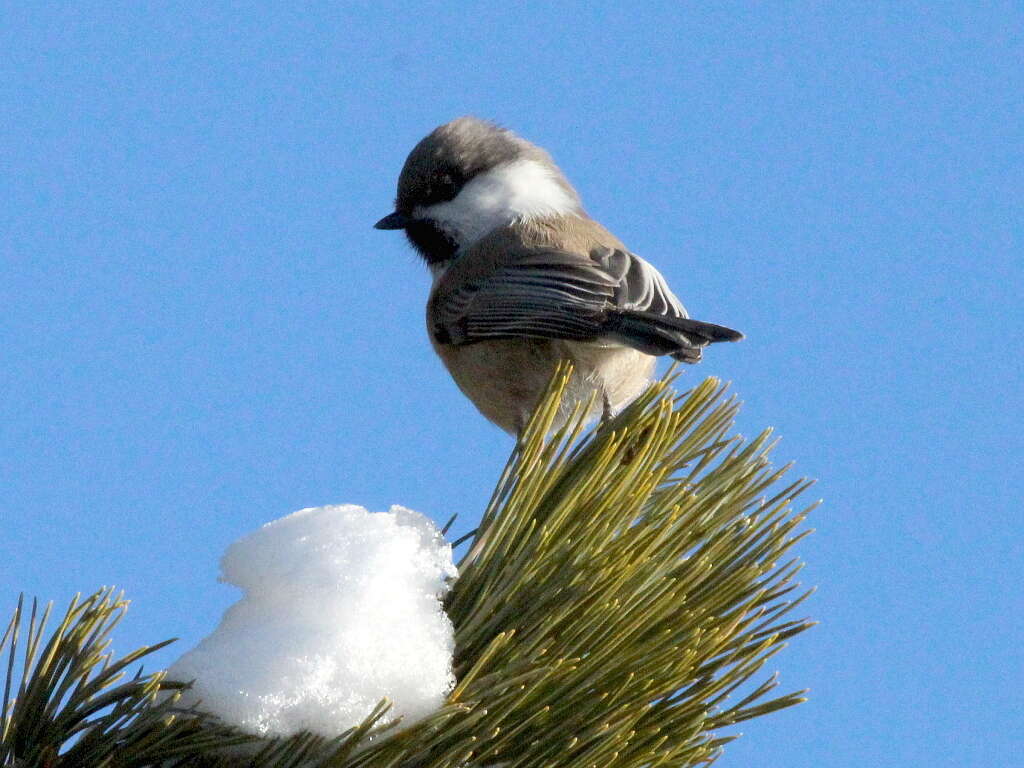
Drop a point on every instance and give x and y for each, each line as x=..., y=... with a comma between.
x=608, y=294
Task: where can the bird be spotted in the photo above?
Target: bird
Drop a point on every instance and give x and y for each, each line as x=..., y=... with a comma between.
x=524, y=278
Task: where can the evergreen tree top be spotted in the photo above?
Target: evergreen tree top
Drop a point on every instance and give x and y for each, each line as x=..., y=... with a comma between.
x=622, y=592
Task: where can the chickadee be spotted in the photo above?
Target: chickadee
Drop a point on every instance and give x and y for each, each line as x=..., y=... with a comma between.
x=524, y=278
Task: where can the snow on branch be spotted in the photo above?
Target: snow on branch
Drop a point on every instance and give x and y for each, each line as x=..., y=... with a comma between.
x=341, y=607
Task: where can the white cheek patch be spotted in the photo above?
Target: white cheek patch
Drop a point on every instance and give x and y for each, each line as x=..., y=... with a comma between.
x=523, y=189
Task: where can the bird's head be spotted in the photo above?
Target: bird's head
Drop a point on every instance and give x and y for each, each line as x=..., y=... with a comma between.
x=468, y=177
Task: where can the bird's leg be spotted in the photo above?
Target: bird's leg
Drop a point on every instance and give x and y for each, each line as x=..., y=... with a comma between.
x=629, y=450
x=522, y=420
x=606, y=407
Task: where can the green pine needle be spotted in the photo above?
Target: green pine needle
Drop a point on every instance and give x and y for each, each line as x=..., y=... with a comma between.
x=624, y=589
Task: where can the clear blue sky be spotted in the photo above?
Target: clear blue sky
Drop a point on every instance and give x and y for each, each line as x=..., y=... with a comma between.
x=200, y=331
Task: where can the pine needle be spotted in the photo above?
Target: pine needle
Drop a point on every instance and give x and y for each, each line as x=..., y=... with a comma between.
x=622, y=593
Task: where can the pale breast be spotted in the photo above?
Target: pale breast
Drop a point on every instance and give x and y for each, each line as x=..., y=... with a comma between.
x=506, y=378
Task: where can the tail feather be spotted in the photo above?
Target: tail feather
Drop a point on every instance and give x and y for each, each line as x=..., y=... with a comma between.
x=657, y=334
x=708, y=331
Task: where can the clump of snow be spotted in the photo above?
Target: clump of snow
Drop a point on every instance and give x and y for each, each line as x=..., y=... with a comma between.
x=341, y=608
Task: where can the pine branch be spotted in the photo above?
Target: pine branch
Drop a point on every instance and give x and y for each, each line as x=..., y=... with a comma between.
x=624, y=589
x=68, y=702
x=619, y=589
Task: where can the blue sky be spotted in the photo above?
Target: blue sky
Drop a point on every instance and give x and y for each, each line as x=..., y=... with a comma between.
x=200, y=331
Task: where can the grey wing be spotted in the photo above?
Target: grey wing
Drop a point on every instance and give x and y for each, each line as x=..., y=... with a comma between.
x=649, y=317
x=642, y=287
x=608, y=294
x=543, y=294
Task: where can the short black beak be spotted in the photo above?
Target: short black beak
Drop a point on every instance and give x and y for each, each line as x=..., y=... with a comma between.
x=394, y=220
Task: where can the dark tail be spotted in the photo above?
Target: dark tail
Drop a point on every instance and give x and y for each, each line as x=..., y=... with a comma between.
x=656, y=334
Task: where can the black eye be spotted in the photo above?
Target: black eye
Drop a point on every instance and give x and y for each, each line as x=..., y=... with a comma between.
x=440, y=187
x=446, y=187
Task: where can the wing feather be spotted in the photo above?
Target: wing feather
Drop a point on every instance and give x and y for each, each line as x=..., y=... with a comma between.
x=560, y=294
